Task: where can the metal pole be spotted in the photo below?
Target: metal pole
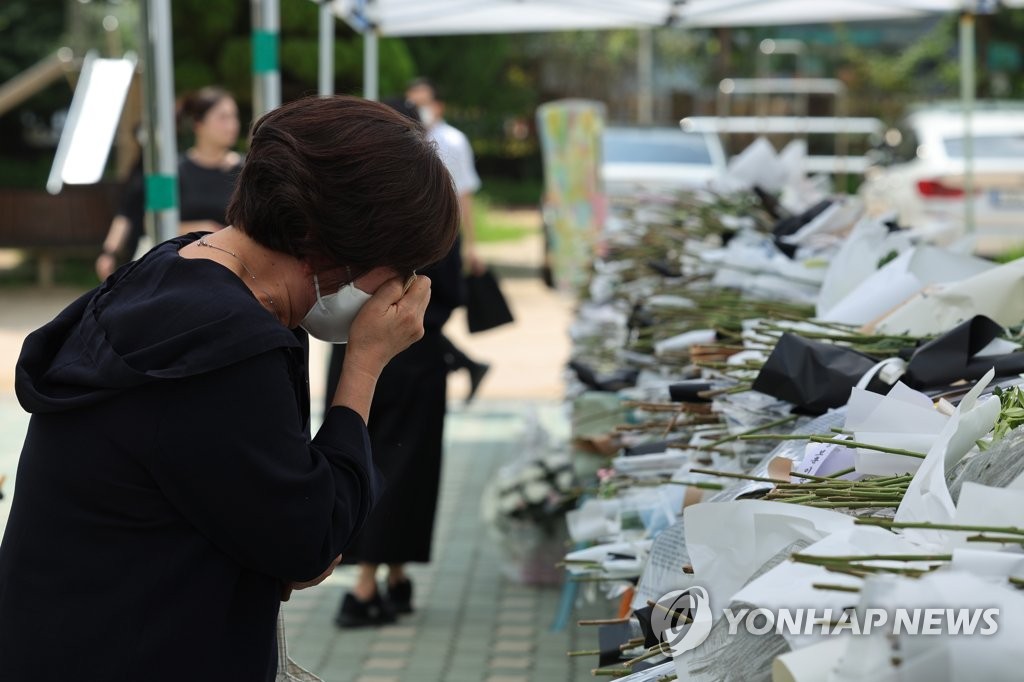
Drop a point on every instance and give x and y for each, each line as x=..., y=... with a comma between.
x=645, y=76
x=371, y=89
x=160, y=153
x=266, y=77
x=967, y=90
x=326, y=72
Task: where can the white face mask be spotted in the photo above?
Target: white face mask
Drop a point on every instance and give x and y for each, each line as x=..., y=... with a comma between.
x=427, y=116
x=331, y=316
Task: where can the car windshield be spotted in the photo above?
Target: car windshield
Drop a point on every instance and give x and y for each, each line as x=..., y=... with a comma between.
x=1005, y=146
x=645, y=146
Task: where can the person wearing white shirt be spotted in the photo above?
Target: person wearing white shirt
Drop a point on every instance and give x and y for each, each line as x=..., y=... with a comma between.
x=457, y=154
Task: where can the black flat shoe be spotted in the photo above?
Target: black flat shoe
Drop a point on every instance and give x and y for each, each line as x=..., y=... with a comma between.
x=355, y=613
x=400, y=596
x=477, y=372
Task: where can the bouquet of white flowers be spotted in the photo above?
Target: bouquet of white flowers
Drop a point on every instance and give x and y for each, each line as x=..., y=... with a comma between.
x=524, y=507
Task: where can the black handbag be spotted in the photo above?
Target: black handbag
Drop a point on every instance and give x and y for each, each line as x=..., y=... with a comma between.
x=486, y=307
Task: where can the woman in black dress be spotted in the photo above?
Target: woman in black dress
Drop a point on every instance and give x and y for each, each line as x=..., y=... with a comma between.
x=168, y=496
x=207, y=172
x=407, y=433
x=208, y=169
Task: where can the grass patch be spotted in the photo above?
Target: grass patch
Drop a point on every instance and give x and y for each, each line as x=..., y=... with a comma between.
x=507, y=192
x=496, y=225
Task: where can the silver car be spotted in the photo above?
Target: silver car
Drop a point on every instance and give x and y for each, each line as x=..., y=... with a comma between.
x=659, y=158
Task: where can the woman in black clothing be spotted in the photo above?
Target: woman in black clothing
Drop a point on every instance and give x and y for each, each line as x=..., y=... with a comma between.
x=208, y=169
x=207, y=172
x=168, y=495
x=407, y=433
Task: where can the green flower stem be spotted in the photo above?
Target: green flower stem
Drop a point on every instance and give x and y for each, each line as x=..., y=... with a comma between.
x=724, y=391
x=796, y=499
x=659, y=650
x=835, y=588
x=730, y=474
x=756, y=429
x=590, y=652
x=817, y=559
x=927, y=525
x=853, y=505
x=696, y=484
x=1001, y=540
x=609, y=672
x=603, y=621
x=835, y=441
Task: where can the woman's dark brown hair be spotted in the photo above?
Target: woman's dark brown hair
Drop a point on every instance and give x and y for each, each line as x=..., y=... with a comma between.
x=194, y=107
x=343, y=181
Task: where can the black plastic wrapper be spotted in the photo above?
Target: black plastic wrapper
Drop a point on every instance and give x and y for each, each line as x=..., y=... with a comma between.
x=651, y=448
x=687, y=391
x=611, y=381
x=609, y=639
x=813, y=375
x=950, y=357
x=792, y=224
x=644, y=617
x=665, y=268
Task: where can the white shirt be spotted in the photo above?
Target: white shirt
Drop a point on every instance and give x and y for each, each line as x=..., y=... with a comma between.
x=455, y=151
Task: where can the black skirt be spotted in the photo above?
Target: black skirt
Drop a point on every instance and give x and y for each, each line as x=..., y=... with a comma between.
x=407, y=435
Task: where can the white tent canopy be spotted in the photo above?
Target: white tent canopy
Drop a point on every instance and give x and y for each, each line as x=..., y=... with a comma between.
x=451, y=17
x=718, y=13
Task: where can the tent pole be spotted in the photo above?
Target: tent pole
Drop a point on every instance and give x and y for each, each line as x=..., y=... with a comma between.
x=371, y=88
x=326, y=73
x=266, y=78
x=160, y=154
x=967, y=91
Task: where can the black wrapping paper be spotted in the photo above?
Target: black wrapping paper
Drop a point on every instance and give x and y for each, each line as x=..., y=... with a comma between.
x=950, y=357
x=687, y=391
x=609, y=381
x=609, y=639
x=813, y=375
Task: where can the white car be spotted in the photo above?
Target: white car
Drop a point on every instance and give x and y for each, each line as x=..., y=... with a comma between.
x=923, y=180
x=659, y=159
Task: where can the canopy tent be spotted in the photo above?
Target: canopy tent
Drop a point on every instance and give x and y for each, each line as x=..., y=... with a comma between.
x=721, y=13
x=451, y=17
x=375, y=18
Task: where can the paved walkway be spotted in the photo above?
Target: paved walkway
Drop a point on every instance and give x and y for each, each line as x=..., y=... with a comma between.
x=472, y=624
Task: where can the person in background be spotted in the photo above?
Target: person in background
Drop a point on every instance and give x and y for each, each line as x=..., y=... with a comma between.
x=207, y=171
x=407, y=435
x=457, y=154
x=169, y=495
x=127, y=227
x=206, y=177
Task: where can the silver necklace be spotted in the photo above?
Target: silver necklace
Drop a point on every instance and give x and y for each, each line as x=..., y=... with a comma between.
x=202, y=242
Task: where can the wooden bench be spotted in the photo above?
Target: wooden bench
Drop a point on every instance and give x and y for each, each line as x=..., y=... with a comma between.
x=48, y=226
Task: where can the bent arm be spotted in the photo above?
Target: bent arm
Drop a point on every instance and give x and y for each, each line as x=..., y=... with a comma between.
x=242, y=472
